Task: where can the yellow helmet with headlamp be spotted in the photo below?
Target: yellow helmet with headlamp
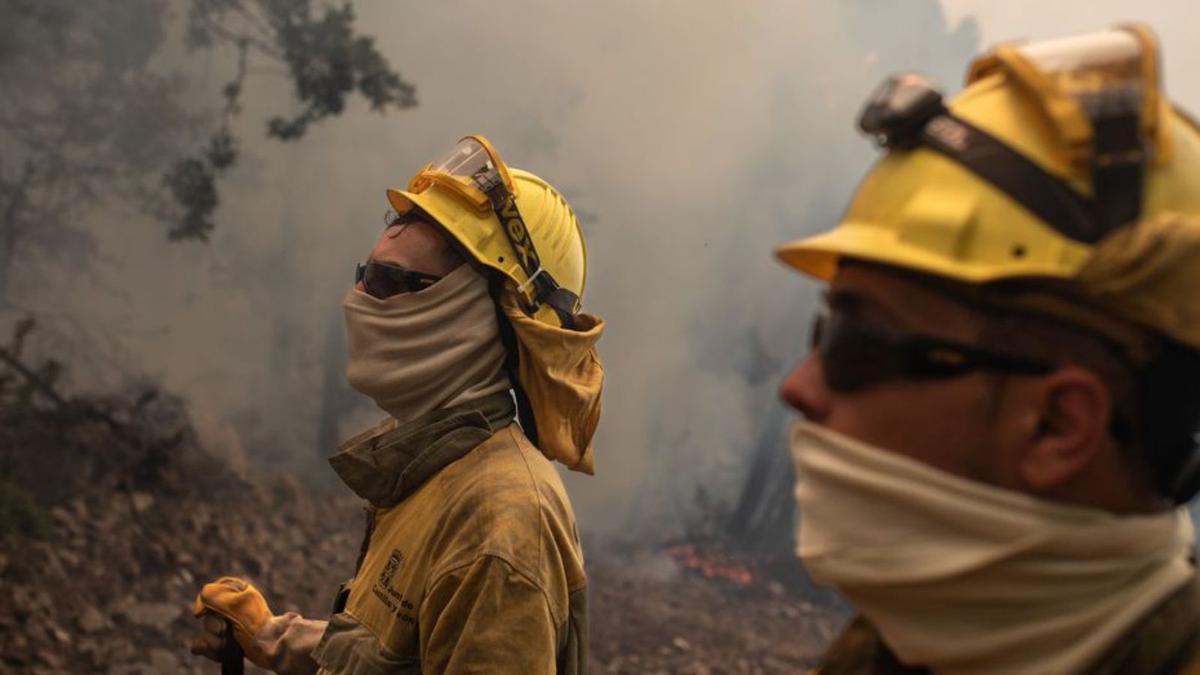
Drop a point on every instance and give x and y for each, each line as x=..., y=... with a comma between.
x=1051, y=147
x=1063, y=169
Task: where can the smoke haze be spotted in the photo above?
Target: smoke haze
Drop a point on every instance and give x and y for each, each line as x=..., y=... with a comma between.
x=691, y=137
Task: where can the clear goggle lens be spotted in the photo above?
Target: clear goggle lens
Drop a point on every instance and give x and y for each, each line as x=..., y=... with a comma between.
x=472, y=162
x=468, y=159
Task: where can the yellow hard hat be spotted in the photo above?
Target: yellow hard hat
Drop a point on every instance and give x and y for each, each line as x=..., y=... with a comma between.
x=1063, y=168
x=508, y=220
x=1058, y=155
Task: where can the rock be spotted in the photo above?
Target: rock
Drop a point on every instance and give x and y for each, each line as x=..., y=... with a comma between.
x=51, y=658
x=156, y=615
x=122, y=653
x=80, y=509
x=163, y=661
x=91, y=620
x=63, y=518
x=89, y=649
x=133, y=669
x=24, y=602
x=18, y=648
x=69, y=559
x=218, y=438
x=61, y=636
x=142, y=501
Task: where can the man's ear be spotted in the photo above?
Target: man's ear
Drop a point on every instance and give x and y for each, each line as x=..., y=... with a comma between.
x=1074, y=407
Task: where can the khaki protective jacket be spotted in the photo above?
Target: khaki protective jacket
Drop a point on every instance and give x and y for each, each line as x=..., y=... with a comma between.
x=472, y=563
x=1165, y=642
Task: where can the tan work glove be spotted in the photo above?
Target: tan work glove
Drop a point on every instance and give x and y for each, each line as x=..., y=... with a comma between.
x=282, y=644
x=239, y=602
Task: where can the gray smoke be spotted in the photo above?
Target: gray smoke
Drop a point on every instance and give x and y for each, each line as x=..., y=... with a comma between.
x=692, y=137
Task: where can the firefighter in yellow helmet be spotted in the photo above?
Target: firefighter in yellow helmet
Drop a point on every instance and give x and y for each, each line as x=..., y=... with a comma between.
x=1003, y=391
x=465, y=318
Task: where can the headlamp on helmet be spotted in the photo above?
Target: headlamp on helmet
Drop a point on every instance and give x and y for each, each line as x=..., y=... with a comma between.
x=899, y=109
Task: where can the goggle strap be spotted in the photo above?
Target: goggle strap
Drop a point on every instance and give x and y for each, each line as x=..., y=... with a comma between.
x=1118, y=164
x=1043, y=194
x=545, y=289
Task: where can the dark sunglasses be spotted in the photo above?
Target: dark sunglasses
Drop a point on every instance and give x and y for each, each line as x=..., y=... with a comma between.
x=854, y=355
x=383, y=280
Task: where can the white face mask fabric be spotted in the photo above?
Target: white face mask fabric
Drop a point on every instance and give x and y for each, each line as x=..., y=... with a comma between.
x=413, y=353
x=962, y=577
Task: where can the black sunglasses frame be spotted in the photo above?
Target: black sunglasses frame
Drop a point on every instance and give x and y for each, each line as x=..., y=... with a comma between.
x=383, y=280
x=855, y=355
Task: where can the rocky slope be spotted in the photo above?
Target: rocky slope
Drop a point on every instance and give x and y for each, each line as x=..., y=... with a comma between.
x=111, y=518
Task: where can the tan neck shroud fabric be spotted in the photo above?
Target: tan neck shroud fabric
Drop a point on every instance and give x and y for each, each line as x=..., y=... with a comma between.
x=414, y=353
x=1149, y=274
x=962, y=577
x=562, y=375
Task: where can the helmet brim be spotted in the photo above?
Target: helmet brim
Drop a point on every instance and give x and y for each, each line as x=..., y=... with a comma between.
x=818, y=256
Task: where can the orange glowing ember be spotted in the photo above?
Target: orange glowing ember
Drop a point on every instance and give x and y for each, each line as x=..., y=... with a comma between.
x=711, y=564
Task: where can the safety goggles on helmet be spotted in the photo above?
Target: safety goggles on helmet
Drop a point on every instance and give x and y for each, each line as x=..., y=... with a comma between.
x=474, y=173
x=855, y=354
x=383, y=280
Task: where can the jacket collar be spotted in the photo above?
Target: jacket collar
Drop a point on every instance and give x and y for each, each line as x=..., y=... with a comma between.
x=387, y=463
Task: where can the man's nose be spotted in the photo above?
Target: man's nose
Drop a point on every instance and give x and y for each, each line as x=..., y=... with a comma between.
x=804, y=389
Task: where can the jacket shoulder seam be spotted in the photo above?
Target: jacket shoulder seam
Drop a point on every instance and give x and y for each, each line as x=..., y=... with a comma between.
x=541, y=588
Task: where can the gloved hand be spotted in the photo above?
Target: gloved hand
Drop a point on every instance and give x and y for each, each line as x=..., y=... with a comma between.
x=282, y=644
x=239, y=602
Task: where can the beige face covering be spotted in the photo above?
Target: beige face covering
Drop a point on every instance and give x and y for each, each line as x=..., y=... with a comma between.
x=414, y=353
x=962, y=577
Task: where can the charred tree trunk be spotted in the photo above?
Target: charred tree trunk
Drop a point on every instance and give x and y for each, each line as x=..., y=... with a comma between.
x=765, y=515
x=15, y=197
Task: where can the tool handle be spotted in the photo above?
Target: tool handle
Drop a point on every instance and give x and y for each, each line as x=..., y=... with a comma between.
x=232, y=658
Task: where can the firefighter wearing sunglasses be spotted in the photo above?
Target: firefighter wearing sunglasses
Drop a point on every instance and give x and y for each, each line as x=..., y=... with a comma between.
x=1001, y=401
x=465, y=318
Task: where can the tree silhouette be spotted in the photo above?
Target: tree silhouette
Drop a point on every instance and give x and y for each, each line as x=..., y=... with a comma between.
x=97, y=111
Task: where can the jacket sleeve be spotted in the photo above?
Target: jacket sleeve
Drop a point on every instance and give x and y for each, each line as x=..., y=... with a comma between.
x=486, y=617
x=288, y=641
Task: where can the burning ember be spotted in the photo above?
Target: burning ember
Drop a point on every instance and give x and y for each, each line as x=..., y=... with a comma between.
x=711, y=564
